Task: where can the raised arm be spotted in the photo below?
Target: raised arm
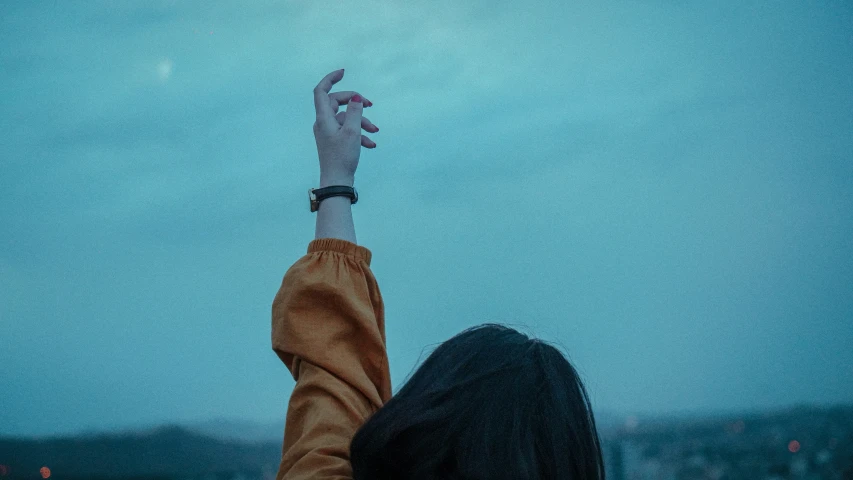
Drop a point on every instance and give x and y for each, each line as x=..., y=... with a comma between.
x=328, y=323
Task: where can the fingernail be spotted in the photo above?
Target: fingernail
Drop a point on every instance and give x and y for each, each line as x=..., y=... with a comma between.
x=356, y=98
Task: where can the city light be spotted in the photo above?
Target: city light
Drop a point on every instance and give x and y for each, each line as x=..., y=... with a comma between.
x=794, y=446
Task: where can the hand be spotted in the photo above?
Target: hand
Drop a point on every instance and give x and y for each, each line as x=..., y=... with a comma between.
x=338, y=135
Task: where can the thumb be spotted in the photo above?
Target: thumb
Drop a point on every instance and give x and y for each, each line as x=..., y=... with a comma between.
x=355, y=106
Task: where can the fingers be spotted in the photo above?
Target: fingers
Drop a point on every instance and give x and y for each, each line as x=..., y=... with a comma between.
x=321, y=96
x=326, y=106
x=352, y=121
x=365, y=122
x=342, y=98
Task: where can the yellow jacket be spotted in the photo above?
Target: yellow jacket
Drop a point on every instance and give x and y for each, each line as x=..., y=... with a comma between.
x=328, y=327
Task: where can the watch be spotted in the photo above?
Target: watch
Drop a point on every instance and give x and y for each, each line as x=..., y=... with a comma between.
x=317, y=195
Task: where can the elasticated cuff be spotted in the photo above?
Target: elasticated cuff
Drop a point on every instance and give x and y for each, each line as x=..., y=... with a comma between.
x=340, y=246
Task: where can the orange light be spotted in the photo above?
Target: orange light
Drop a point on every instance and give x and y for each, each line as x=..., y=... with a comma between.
x=45, y=472
x=794, y=446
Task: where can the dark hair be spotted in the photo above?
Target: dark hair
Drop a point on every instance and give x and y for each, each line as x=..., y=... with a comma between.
x=490, y=403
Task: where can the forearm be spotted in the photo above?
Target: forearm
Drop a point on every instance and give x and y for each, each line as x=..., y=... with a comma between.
x=334, y=218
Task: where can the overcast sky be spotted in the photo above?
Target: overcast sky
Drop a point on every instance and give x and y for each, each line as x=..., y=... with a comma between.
x=664, y=189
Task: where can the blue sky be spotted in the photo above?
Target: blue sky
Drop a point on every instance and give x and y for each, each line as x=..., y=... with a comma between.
x=663, y=189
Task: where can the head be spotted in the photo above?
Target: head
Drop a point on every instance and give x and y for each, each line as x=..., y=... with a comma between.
x=490, y=403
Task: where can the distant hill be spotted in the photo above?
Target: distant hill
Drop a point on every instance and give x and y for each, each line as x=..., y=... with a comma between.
x=220, y=428
x=169, y=451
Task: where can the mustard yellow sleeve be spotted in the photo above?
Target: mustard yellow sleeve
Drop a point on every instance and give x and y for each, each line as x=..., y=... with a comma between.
x=328, y=327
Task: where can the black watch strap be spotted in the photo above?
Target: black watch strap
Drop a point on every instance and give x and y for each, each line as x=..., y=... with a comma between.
x=317, y=195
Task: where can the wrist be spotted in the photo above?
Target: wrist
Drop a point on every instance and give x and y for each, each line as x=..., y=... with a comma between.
x=329, y=179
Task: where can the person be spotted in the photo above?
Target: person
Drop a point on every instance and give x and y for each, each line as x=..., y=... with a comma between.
x=490, y=403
